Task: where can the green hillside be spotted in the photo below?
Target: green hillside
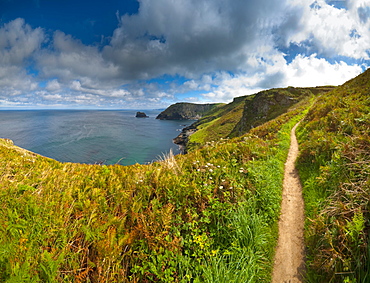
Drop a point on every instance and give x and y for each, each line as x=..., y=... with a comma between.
x=334, y=166
x=186, y=111
x=207, y=216
x=246, y=112
x=200, y=217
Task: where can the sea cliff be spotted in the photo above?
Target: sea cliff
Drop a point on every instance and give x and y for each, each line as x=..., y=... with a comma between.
x=186, y=111
x=239, y=116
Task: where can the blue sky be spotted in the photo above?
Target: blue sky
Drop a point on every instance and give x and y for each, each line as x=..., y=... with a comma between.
x=149, y=54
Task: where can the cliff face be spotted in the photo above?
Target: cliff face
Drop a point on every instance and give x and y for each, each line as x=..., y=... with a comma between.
x=269, y=104
x=242, y=114
x=186, y=111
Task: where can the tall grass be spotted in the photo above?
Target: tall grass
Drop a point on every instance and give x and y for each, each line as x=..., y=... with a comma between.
x=209, y=216
x=334, y=169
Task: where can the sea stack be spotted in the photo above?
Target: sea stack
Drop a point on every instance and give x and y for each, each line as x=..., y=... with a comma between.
x=141, y=115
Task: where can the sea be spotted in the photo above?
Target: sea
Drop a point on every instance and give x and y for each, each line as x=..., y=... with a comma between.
x=92, y=136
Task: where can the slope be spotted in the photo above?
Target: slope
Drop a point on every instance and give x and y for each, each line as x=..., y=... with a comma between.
x=247, y=112
x=186, y=111
x=334, y=166
x=209, y=216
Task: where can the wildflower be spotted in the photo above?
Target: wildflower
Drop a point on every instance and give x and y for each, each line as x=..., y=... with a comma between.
x=210, y=178
x=210, y=170
x=221, y=187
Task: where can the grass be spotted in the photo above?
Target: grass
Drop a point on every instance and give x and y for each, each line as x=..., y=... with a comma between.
x=208, y=216
x=334, y=169
x=246, y=112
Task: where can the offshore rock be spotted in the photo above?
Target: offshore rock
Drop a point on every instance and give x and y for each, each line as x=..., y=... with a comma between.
x=141, y=115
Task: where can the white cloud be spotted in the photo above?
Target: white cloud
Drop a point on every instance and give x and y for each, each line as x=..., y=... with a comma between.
x=332, y=31
x=53, y=85
x=219, y=47
x=69, y=59
x=18, y=42
x=301, y=72
x=312, y=71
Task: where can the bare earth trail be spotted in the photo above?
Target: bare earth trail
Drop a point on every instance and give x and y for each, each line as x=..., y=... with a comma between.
x=289, y=263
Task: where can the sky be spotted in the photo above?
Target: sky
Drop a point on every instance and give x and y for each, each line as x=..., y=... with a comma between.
x=145, y=54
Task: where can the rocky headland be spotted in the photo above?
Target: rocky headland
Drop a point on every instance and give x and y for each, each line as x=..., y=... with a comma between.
x=215, y=121
x=186, y=111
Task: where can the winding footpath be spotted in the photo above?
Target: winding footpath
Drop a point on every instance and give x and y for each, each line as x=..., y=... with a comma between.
x=289, y=266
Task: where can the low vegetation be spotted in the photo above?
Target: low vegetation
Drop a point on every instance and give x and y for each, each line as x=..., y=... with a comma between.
x=187, y=111
x=334, y=166
x=247, y=112
x=209, y=216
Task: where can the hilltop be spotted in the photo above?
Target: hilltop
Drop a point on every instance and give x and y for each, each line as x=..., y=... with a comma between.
x=208, y=216
x=243, y=114
x=186, y=111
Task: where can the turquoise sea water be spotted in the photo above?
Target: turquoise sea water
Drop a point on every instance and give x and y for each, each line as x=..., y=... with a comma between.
x=91, y=136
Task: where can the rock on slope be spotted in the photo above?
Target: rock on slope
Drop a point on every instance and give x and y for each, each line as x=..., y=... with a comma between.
x=244, y=113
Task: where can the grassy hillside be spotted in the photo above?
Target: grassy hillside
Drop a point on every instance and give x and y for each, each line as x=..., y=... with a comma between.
x=209, y=216
x=186, y=111
x=217, y=123
x=334, y=166
x=247, y=112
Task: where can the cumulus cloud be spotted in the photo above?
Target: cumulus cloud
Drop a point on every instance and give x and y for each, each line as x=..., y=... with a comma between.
x=218, y=48
x=69, y=59
x=53, y=85
x=331, y=31
x=312, y=71
x=18, y=43
x=191, y=37
x=301, y=72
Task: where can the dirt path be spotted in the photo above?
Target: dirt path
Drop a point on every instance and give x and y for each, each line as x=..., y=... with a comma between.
x=289, y=259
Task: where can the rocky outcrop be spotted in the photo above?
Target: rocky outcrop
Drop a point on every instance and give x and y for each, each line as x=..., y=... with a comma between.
x=182, y=139
x=141, y=115
x=269, y=104
x=242, y=114
x=186, y=111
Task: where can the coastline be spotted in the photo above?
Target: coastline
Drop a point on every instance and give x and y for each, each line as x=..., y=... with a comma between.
x=182, y=139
